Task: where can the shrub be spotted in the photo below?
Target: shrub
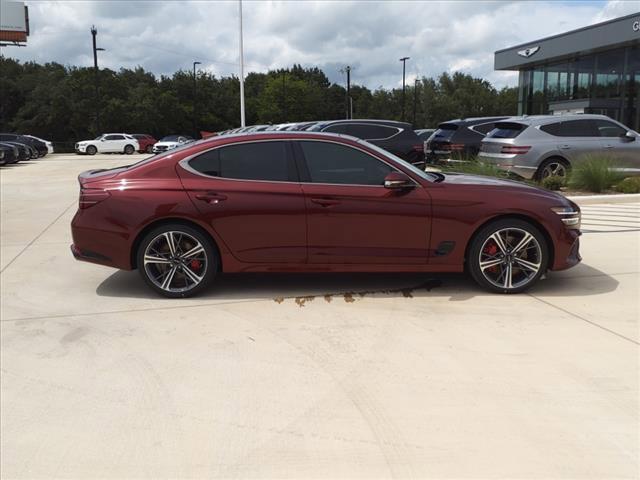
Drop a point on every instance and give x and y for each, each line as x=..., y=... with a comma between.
x=629, y=185
x=594, y=174
x=554, y=182
x=478, y=168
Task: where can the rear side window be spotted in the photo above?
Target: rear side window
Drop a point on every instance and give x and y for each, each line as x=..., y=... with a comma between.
x=484, y=128
x=506, y=130
x=338, y=164
x=609, y=129
x=267, y=161
x=371, y=132
x=578, y=128
x=336, y=129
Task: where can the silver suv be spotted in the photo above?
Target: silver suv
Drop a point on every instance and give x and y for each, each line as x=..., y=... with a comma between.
x=544, y=145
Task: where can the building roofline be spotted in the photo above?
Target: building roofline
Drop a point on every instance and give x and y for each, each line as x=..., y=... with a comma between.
x=588, y=27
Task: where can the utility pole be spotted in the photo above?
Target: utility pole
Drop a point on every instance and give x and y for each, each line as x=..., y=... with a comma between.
x=195, y=99
x=284, y=95
x=415, y=100
x=242, y=120
x=404, y=61
x=94, y=33
x=347, y=99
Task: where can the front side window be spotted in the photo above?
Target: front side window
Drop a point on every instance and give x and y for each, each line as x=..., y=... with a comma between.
x=609, y=129
x=114, y=137
x=336, y=129
x=332, y=163
x=267, y=161
x=578, y=128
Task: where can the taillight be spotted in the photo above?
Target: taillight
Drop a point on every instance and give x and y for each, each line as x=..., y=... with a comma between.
x=92, y=196
x=515, y=149
x=456, y=147
x=418, y=148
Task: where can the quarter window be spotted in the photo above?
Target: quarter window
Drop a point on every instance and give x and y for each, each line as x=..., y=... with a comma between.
x=338, y=164
x=371, y=132
x=336, y=129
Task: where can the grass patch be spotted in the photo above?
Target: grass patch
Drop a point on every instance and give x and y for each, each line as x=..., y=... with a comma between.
x=554, y=182
x=474, y=167
x=629, y=185
x=594, y=174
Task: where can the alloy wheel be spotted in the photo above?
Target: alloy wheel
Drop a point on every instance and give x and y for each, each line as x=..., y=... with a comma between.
x=510, y=258
x=175, y=261
x=554, y=169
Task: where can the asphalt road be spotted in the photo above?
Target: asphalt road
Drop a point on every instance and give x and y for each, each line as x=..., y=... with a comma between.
x=299, y=376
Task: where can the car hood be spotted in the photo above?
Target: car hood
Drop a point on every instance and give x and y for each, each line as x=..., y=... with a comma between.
x=481, y=181
x=167, y=144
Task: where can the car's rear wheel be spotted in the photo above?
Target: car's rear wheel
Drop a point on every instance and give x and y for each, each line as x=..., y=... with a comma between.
x=149, y=149
x=176, y=260
x=128, y=149
x=508, y=256
x=553, y=167
x=91, y=150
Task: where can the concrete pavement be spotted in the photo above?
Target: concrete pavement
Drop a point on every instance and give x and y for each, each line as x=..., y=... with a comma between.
x=371, y=376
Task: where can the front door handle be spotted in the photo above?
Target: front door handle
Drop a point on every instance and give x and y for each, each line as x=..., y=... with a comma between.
x=211, y=197
x=608, y=146
x=565, y=147
x=325, y=202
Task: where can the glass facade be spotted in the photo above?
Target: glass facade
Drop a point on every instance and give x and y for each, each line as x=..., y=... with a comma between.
x=607, y=83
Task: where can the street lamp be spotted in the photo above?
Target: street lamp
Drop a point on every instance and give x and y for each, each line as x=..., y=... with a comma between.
x=404, y=61
x=195, y=102
x=94, y=33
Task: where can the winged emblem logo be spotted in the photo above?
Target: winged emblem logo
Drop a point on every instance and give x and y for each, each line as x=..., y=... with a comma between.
x=527, y=52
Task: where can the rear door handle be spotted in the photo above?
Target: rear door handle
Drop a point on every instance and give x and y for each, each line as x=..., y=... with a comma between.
x=608, y=146
x=325, y=202
x=211, y=197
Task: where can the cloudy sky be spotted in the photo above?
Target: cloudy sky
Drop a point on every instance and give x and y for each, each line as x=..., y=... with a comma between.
x=164, y=36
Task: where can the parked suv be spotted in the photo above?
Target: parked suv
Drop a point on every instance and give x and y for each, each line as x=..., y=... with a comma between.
x=109, y=143
x=395, y=137
x=145, y=142
x=544, y=145
x=458, y=139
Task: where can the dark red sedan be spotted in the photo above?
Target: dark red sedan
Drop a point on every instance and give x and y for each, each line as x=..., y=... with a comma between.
x=314, y=202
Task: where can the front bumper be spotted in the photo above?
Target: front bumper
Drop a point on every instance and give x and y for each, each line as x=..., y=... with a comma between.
x=81, y=148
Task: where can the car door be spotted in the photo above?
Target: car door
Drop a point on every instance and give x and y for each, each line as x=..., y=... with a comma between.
x=351, y=217
x=623, y=151
x=109, y=144
x=250, y=195
x=579, y=139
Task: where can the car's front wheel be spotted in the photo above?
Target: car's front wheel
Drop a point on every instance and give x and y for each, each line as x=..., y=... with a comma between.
x=176, y=260
x=508, y=256
x=91, y=150
x=149, y=149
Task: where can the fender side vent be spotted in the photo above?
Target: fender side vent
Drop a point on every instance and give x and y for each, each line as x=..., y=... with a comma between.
x=445, y=248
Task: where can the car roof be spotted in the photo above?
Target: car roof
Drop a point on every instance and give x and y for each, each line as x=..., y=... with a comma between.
x=545, y=119
x=474, y=120
x=371, y=121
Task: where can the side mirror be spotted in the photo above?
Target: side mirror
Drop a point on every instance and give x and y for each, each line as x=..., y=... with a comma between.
x=102, y=139
x=398, y=180
x=629, y=136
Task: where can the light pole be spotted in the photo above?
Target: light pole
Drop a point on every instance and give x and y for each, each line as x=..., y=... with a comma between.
x=94, y=33
x=242, y=120
x=404, y=61
x=415, y=100
x=195, y=99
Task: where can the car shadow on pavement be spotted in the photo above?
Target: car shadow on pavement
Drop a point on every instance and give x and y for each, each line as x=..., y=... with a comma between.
x=582, y=280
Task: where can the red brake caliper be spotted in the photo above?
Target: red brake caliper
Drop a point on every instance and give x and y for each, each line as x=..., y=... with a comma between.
x=491, y=250
x=195, y=265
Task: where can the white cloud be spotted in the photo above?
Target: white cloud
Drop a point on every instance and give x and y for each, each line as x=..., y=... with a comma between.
x=164, y=36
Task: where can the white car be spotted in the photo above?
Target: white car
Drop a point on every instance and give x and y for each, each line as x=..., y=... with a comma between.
x=46, y=142
x=109, y=143
x=170, y=142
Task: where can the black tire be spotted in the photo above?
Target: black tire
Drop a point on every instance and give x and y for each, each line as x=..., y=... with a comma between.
x=149, y=149
x=553, y=166
x=152, y=273
x=91, y=150
x=128, y=149
x=483, y=242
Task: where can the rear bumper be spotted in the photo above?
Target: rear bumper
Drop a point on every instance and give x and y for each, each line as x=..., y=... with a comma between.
x=509, y=163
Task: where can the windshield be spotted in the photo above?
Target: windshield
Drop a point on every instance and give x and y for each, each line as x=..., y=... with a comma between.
x=170, y=138
x=99, y=137
x=421, y=173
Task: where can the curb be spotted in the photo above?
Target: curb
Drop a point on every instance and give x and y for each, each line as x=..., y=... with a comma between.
x=595, y=199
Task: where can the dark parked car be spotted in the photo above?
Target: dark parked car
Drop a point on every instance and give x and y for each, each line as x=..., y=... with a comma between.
x=35, y=144
x=395, y=137
x=459, y=139
x=8, y=154
x=313, y=202
x=25, y=152
x=145, y=142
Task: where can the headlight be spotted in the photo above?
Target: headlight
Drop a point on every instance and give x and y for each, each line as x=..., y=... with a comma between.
x=570, y=216
x=1, y=154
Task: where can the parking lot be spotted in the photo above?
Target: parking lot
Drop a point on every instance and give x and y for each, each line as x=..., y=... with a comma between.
x=374, y=375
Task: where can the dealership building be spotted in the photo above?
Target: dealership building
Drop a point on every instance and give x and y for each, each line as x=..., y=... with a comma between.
x=595, y=69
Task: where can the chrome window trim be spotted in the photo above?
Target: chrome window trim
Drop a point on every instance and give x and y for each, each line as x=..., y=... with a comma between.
x=184, y=163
